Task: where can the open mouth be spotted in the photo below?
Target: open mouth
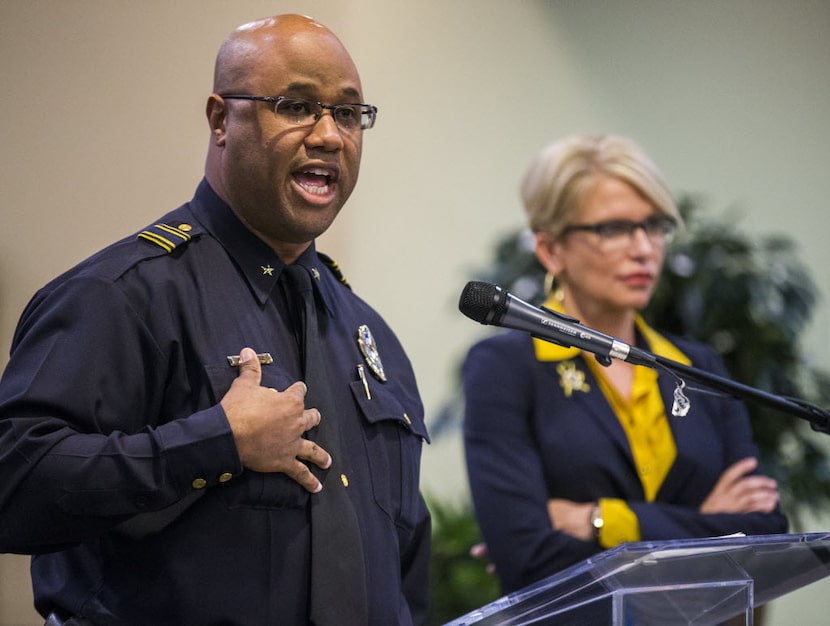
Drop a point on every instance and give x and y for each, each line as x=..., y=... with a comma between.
x=316, y=181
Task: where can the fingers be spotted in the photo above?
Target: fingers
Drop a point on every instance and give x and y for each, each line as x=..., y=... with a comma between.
x=737, y=470
x=755, y=493
x=311, y=452
x=312, y=417
x=755, y=502
x=303, y=476
x=740, y=491
x=250, y=369
x=298, y=389
x=734, y=473
x=763, y=501
x=757, y=482
x=479, y=550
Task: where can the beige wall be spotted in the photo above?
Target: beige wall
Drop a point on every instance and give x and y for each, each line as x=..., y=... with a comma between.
x=102, y=130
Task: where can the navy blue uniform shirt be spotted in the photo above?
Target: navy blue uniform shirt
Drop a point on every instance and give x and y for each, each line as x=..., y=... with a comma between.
x=109, y=410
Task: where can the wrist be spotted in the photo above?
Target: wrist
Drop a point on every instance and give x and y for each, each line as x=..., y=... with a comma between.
x=597, y=521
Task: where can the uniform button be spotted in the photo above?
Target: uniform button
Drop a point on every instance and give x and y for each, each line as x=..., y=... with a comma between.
x=199, y=483
x=223, y=478
x=344, y=479
x=406, y=419
x=185, y=227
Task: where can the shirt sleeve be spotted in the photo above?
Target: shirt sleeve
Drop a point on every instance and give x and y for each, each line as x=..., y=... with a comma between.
x=84, y=440
x=620, y=523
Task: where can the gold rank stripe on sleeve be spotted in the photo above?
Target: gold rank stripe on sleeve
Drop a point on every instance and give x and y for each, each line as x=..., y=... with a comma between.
x=165, y=236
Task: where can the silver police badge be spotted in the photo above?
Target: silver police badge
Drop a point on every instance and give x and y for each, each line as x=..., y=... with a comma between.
x=367, y=346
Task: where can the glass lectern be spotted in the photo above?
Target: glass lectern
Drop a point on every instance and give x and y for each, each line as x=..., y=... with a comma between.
x=689, y=581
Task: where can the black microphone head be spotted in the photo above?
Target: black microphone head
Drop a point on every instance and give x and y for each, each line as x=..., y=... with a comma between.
x=485, y=303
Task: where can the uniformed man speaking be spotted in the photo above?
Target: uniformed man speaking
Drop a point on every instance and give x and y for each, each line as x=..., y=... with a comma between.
x=202, y=423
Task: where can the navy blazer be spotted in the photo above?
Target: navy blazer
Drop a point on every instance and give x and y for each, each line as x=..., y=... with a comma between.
x=526, y=442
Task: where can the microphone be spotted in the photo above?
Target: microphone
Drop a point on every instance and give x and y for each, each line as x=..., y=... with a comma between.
x=487, y=303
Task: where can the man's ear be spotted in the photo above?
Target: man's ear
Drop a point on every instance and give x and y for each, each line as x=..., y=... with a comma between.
x=217, y=117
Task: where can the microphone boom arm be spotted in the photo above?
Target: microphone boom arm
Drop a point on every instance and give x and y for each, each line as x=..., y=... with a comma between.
x=819, y=418
x=487, y=303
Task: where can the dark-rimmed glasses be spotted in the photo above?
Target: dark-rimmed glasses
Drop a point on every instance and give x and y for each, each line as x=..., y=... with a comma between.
x=659, y=229
x=302, y=112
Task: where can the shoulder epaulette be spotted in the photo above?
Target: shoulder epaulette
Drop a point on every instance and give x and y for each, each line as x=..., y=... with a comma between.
x=334, y=268
x=166, y=236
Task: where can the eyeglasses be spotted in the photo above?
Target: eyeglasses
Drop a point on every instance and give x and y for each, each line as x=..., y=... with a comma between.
x=301, y=112
x=659, y=229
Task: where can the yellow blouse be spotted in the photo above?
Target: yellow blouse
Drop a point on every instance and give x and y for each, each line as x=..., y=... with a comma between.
x=643, y=418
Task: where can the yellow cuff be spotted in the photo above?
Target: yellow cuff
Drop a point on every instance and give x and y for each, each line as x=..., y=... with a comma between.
x=620, y=524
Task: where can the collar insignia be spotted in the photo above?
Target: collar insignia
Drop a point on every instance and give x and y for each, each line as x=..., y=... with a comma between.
x=366, y=343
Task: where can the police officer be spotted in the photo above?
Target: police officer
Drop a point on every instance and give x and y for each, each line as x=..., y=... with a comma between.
x=157, y=446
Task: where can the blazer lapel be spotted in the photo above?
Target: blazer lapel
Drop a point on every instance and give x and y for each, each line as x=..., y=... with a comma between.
x=683, y=431
x=592, y=405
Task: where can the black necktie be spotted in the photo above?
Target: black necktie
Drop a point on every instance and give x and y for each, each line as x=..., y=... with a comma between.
x=338, y=579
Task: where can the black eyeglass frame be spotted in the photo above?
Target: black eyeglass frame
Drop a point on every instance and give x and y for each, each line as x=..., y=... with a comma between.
x=654, y=225
x=368, y=112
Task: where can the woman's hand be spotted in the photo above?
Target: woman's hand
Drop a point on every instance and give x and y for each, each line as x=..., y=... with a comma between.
x=738, y=492
x=573, y=518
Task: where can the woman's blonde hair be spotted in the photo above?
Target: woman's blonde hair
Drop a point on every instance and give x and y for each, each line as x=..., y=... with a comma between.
x=564, y=171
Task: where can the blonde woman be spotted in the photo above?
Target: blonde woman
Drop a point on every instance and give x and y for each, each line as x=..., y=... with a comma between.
x=566, y=457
